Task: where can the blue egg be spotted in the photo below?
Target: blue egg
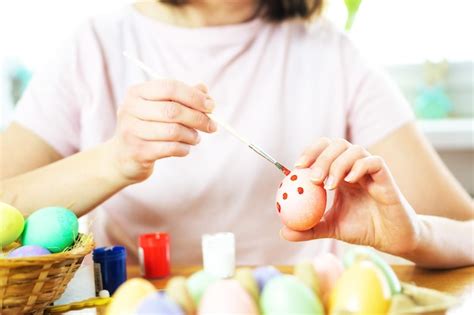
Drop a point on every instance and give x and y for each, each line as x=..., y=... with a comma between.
x=159, y=303
x=28, y=251
x=265, y=274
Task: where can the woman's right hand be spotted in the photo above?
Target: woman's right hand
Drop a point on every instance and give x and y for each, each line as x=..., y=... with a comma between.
x=158, y=119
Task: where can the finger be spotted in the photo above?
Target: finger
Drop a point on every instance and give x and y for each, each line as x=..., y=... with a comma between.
x=157, y=131
x=373, y=166
x=172, y=90
x=152, y=151
x=201, y=87
x=171, y=112
x=343, y=164
x=320, y=168
x=321, y=230
x=312, y=152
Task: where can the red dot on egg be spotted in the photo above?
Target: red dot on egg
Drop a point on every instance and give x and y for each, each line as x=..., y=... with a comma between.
x=300, y=190
x=285, y=196
x=294, y=177
x=278, y=207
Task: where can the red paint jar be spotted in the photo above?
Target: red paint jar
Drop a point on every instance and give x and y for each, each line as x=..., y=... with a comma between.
x=154, y=255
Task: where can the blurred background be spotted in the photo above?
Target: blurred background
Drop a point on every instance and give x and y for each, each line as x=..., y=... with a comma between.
x=427, y=47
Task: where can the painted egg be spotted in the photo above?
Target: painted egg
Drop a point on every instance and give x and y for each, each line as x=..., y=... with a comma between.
x=28, y=251
x=328, y=269
x=265, y=274
x=304, y=272
x=365, y=253
x=247, y=281
x=53, y=228
x=11, y=224
x=300, y=203
x=158, y=303
x=227, y=297
x=129, y=296
x=362, y=289
x=177, y=290
x=287, y=295
x=197, y=283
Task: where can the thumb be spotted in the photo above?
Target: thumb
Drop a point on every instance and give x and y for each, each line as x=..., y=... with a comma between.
x=321, y=230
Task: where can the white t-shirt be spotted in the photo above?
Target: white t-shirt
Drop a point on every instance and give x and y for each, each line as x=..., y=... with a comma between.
x=281, y=85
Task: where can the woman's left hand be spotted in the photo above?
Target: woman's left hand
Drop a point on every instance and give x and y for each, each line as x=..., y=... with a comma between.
x=368, y=208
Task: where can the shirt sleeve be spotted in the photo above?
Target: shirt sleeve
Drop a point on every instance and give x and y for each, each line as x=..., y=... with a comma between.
x=376, y=107
x=51, y=104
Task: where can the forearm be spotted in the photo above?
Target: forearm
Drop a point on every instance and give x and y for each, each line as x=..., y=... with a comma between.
x=79, y=182
x=444, y=243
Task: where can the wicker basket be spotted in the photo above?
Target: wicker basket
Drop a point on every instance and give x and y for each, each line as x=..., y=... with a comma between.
x=28, y=286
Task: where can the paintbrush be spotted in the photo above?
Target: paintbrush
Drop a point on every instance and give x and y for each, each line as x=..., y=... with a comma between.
x=222, y=123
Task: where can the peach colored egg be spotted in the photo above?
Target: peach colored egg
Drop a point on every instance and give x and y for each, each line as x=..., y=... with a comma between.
x=227, y=297
x=328, y=269
x=300, y=203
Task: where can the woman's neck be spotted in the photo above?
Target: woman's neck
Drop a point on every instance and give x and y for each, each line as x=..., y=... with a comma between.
x=200, y=13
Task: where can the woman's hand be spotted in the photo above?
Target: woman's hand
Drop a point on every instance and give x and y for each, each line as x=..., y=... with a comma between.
x=368, y=207
x=159, y=119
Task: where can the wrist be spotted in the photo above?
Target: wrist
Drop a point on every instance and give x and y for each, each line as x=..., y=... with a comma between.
x=421, y=241
x=110, y=165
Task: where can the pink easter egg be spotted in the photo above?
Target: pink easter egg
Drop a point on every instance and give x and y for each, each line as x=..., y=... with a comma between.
x=227, y=297
x=328, y=269
x=300, y=202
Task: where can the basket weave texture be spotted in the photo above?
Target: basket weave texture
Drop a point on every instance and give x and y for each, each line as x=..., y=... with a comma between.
x=29, y=285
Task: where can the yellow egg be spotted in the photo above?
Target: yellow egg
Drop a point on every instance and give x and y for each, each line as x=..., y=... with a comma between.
x=129, y=295
x=246, y=279
x=177, y=290
x=304, y=271
x=362, y=289
x=11, y=224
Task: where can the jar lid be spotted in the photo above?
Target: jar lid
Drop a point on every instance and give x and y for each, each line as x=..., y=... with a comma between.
x=109, y=252
x=153, y=239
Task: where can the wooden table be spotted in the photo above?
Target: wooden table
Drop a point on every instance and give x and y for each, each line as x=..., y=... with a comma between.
x=458, y=282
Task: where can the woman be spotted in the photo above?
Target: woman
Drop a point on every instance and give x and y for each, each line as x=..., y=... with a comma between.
x=93, y=129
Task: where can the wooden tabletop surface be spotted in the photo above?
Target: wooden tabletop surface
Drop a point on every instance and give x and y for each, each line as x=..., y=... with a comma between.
x=458, y=282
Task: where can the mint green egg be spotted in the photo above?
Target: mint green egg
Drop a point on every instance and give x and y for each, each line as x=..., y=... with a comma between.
x=197, y=284
x=54, y=228
x=287, y=295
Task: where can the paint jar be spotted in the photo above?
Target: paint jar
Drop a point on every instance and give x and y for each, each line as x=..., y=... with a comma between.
x=154, y=255
x=218, y=254
x=110, y=268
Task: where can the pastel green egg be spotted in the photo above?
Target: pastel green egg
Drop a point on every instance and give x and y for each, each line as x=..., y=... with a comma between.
x=197, y=283
x=287, y=295
x=11, y=224
x=54, y=228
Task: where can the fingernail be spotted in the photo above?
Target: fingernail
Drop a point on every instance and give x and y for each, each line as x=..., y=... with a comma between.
x=317, y=175
x=212, y=127
x=204, y=87
x=349, y=178
x=301, y=161
x=209, y=104
x=281, y=234
x=329, y=183
x=198, y=138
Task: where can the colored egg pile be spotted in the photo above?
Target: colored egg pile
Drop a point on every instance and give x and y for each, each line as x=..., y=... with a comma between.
x=324, y=286
x=300, y=203
x=45, y=231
